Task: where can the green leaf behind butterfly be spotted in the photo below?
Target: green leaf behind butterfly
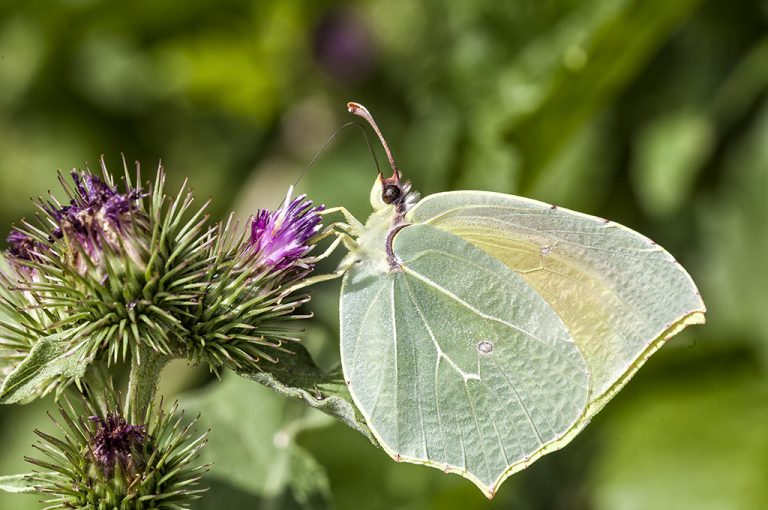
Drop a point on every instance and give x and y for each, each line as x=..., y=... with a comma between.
x=256, y=463
x=296, y=375
x=671, y=417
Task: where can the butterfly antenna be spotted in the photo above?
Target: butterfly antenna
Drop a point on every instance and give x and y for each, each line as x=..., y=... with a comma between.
x=331, y=139
x=362, y=111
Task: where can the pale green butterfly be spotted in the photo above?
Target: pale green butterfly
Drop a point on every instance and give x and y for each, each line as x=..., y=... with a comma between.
x=480, y=331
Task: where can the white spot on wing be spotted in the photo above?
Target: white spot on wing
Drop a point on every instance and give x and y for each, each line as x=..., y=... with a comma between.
x=485, y=347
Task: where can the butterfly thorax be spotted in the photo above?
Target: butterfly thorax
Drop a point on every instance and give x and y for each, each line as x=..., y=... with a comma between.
x=370, y=252
x=375, y=241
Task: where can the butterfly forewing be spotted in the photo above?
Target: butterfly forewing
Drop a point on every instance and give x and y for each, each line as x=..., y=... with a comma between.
x=455, y=361
x=619, y=294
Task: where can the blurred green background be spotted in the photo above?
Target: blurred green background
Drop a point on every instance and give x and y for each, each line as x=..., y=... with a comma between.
x=652, y=113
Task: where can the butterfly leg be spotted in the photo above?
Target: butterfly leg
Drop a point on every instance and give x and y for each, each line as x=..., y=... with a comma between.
x=341, y=237
x=342, y=232
x=306, y=282
x=336, y=228
x=351, y=220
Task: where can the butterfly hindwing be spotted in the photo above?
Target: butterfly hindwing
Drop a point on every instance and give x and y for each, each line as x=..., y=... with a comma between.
x=455, y=361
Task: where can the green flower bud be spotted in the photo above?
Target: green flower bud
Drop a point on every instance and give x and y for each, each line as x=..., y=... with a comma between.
x=101, y=462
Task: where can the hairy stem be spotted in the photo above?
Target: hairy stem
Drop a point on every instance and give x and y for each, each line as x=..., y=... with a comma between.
x=142, y=382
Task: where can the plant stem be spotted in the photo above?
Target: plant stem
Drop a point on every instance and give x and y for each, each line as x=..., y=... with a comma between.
x=142, y=382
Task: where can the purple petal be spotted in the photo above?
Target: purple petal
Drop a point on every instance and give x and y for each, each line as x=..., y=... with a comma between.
x=23, y=247
x=114, y=440
x=280, y=238
x=96, y=209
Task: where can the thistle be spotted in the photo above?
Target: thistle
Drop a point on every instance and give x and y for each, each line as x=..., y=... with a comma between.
x=118, y=274
x=111, y=275
x=23, y=248
x=96, y=216
x=100, y=461
x=115, y=442
x=248, y=307
x=106, y=273
x=280, y=239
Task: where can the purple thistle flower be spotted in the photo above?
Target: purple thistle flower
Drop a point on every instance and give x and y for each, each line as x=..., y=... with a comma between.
x=115, y=441
x=96, y=214
x=280, y=238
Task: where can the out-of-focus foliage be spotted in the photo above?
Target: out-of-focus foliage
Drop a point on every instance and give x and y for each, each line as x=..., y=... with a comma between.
x=677, y=426
x=251, y=443
x=648, y=112
x=735, y=235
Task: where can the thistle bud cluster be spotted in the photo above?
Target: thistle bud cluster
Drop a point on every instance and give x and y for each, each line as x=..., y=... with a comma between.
x=111, y=273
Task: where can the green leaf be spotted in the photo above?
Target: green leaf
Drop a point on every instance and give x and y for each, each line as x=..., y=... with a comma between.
x=588, y=157
x=733, y=269
x=593, y=73
x=297, y=376
x=22, y=484
x=50, y=357
x=16, y=435
x=256, y=462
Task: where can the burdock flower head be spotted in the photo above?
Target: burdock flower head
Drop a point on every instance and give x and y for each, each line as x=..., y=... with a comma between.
x=249, y=301
x=115, y=443
x=102, y=461
x=118, y=273
x=23, y=250
x=21, y=246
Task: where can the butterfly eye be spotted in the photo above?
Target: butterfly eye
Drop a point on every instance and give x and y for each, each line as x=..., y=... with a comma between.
x=390, y=194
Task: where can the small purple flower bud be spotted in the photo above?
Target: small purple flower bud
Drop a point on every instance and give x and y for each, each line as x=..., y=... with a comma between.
x=280, y=238
x=102, y=462
x=95, y=215
x=22, y=247
x=115, y=441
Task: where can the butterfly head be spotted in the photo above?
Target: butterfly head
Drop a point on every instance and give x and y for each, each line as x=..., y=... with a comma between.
x=389, y=191
x=392, y=192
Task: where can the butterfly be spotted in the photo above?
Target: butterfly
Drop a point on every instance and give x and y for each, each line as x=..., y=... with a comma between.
x=480, y=331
